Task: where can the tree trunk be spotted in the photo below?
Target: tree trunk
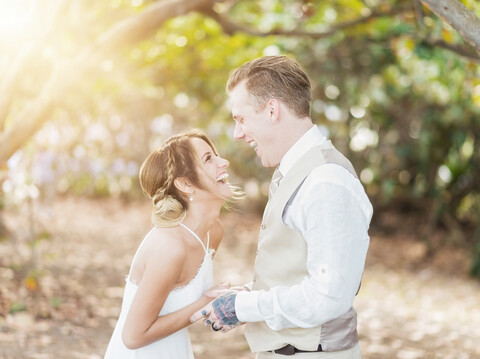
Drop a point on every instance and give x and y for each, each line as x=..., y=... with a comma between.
x=127, y=32
x=459, y=17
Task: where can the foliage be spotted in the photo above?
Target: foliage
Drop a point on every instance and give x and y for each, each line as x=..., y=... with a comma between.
x=398, y=91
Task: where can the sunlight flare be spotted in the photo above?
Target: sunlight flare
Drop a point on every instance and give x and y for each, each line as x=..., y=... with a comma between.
x=14, y=14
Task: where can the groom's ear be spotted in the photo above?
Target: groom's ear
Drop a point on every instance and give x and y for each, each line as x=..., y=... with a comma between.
x=273, y=106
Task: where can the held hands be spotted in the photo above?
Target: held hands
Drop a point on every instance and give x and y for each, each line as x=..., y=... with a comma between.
x=218, y=290
x=220, y=313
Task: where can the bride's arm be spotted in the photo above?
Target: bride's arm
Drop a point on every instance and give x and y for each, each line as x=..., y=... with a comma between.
x=162, y=271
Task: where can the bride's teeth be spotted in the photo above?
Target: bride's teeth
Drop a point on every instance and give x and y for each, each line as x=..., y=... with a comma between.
x=222, y=177
x=252, y=144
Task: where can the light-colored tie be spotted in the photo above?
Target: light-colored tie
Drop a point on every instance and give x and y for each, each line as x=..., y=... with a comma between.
x=277, y=176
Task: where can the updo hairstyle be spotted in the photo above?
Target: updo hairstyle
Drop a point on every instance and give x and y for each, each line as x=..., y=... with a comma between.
x=175, y=158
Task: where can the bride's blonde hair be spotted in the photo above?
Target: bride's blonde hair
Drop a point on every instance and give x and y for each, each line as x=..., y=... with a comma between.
x=175, y=158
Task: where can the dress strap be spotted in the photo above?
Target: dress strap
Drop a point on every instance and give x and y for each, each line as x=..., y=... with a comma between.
x=197, y=237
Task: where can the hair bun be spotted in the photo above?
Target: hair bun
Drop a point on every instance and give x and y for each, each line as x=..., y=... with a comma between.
x=167, y=211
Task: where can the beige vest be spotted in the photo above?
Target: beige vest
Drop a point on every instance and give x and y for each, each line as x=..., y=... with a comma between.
x=282, y=257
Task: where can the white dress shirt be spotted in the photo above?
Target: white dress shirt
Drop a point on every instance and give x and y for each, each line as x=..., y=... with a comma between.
x=333, y=213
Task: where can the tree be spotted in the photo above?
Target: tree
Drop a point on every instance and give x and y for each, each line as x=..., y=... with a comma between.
x=459, y=17
x=36, y=112
x=19, y=120
x=394, y=84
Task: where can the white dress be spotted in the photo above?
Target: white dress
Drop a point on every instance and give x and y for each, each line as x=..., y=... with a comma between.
x=176, y=345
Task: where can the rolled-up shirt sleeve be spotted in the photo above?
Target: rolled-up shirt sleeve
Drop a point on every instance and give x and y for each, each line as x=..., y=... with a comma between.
x=333, y=213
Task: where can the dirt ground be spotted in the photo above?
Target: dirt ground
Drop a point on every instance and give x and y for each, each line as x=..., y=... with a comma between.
x=408, y=307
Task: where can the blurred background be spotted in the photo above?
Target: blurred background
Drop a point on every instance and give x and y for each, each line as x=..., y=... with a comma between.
x=89, y=88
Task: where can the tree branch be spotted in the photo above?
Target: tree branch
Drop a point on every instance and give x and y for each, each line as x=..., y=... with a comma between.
x=459, y=17
x=463, y=51
x=25, y=54
x=231, y=27
x=128, y=31
x=139, y=27
x=7, y=85
x=419, y=13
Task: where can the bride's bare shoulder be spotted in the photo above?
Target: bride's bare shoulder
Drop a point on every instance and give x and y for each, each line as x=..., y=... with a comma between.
x=167, y=239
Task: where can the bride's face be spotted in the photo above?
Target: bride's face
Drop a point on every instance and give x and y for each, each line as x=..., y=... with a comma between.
x=214, y=172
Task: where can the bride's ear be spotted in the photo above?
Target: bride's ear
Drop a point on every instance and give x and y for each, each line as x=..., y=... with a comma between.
x=183, y=185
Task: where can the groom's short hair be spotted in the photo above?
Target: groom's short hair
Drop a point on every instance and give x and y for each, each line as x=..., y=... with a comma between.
x=275, y=77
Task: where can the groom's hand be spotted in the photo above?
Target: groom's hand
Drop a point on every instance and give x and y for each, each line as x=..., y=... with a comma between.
x=224, y=310
x=220, y=313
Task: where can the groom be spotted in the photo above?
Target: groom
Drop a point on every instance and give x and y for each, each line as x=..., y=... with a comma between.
x=314, y=234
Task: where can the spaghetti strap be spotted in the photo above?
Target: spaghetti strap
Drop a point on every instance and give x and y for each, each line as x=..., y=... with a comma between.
x=198, y=238
x=176, y=345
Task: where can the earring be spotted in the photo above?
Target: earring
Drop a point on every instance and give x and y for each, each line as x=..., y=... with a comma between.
x=191, y=197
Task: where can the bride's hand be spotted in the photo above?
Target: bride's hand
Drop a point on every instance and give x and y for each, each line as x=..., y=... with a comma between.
x=217, y=290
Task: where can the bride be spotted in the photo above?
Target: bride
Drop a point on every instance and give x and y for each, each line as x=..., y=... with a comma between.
x=172, y=268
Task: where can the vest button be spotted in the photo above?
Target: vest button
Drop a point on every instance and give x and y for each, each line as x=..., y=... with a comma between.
x=263, y=226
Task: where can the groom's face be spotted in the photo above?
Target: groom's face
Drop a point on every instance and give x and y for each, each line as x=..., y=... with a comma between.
x=252, y=126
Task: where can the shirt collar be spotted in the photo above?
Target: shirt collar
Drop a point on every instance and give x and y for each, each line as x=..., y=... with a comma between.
x=313, y=137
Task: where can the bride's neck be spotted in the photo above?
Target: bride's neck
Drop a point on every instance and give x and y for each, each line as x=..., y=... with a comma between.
x=200, y=220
